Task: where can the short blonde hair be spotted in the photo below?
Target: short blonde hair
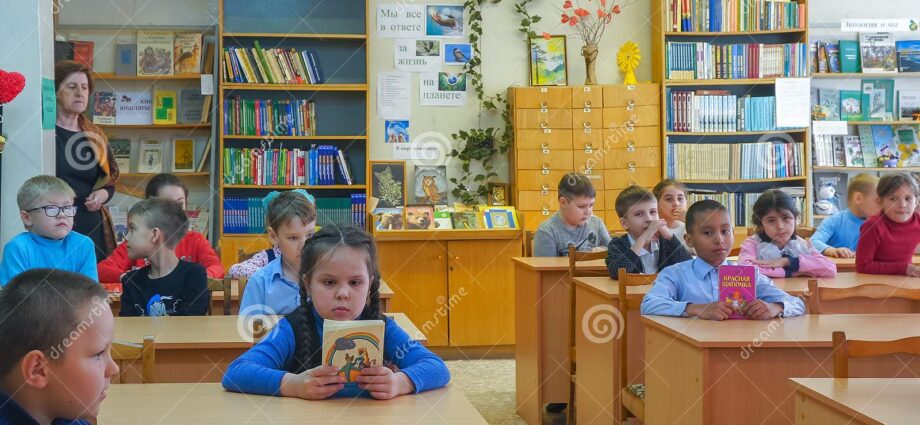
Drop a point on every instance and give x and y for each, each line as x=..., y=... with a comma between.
x=862, y=183
x=41, y=187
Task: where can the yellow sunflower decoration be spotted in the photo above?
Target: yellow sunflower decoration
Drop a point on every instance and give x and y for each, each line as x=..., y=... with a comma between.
x=628, y=60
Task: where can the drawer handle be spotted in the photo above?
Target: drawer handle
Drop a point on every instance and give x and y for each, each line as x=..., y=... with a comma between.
x=586, y=124
x=630, y=123
x=545, y=207
x=631, y=103
x=587, y=104
x=630, y=146
x=545, y=166
x=543, y=125
x=631, y=164
x=588, y=147
x=543, y=104
x=588, y=169
x=544, y=146
x=545, y=187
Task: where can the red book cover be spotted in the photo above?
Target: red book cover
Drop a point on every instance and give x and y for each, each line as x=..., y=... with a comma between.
x=737, y=287
x=83, y=52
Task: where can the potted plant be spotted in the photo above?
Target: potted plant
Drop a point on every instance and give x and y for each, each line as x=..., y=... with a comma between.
x=476, y=145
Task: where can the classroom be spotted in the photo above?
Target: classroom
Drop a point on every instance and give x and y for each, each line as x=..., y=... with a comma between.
x=506, y=212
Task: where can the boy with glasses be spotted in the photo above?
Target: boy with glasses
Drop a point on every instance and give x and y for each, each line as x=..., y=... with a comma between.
x=47, y=211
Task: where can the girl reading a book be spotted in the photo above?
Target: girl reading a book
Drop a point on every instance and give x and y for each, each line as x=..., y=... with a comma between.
x=775, y=248
x=340, y=280
x=887, y=241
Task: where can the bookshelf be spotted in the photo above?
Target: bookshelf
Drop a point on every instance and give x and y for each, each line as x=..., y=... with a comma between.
x=671, y=36
x=338, y=36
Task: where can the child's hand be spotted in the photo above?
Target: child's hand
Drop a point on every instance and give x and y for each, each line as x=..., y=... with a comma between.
x=664, y=231
x=315, y=384
x=719, y=310
x=779, y=262
x=679, y=214
x=913, y=271
x=652, y=230
x=383, y=384
x=839, y=253
x=760, y=310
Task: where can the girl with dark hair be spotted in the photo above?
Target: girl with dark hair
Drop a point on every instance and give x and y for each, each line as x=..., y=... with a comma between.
x=339, y=280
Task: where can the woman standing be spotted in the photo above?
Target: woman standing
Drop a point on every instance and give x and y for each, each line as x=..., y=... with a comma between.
x=84, y=158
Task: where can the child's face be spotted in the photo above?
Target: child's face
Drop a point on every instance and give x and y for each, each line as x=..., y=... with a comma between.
x=290, y=238
x=340, y=284
x=867, y=204
x=779, y=226
x=140, y=240
x=78, y=380
x=173, y=193
x=671, y=199
x=900, y=204
x=712, y=236
x=38, y=222
x=639, y=216
x=576, y=211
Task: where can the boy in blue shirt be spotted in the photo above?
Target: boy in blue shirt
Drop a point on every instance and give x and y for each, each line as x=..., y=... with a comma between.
x=837, y=235
x=47, y=210
x=691, y=288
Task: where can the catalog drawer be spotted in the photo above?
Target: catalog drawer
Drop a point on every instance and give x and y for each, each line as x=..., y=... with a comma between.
x=631, y=137
x=536, y=159
x=588, y=119
x=543, y=97
x=538, y=180
x=587, y=97
x=632, y=158
x=537, y=200
x=536, y=139
x=623, y=178
x=640, y=116
x=625, y=96
x=590, y=140
x=543, y=118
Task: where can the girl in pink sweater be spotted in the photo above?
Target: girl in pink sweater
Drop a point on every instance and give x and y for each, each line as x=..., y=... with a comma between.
x=775, y=249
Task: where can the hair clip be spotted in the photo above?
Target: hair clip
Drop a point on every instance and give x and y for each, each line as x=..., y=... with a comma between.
x=274, y=194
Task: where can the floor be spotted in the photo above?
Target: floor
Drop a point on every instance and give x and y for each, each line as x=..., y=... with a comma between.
x=489, y=386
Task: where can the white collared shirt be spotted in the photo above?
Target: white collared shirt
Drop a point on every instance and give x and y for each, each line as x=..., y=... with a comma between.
x=648, y=257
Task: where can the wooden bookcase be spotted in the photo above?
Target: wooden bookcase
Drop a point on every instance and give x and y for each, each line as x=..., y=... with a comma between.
x=338, y=33
x=662, y=34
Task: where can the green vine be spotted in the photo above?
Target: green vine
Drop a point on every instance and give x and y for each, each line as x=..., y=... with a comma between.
x=527, y=20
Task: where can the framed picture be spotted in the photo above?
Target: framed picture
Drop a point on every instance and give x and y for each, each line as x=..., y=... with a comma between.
x=420, y=217
x=388, y=183
x=183, y=155
x=498, y=196
x=547, y=61
x=431, y=185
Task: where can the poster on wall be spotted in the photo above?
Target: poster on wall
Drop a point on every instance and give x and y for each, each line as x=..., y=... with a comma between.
x=444, y=20
x=400, y=21
x=394, y=90
x=442, y=89
x=396, y=131
x=457, y=54
x=417, y=55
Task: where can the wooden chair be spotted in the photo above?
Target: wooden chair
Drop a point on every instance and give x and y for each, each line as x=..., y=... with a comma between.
x=576, y=257
x=127, y=351
x=241, y=286
x=844, y=349
x=224, y=285
x=876, y=291
x=632, y=397
x=528, y=243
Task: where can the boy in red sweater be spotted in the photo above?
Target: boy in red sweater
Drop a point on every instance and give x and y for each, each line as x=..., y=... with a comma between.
x=193, y=248
x=887, y=241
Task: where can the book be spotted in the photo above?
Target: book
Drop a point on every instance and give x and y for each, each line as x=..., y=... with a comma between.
x=830, y=104
x=104, y=108
x=286, y=117
x=833, y=57
x=822, y=57
x=830, y=193
x=908, y=55
x=150, y=158
x=202, y=155
x=121, y=148
x=63, y=50
x=878, y=100
x=886, y=151
x=909, y=146
x=126, y=59
x=183, y=155
x=851, y=105
x=839, y=150
x=737, y=287
x=388, y=218
x=164, y=107
x=849, y=56
x=190, y=105
x=499, y=218
x=745, y=161
x=353, y=345
x=187, y=53
x=877, y=52
x=83, y=52
x=134, y=108
x=442, y=220
x=909, y=105
x=868, y=146
x=707, y=61
x=419, y=217
x=853, y=151
x=198, y=221
x=735, y=16
x=120, y=223
x=154, y=53
x=465, y=220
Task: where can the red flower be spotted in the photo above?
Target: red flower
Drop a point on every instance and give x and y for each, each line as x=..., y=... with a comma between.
x=567, y=4
x=603, y=3
x=565, y=18
x=616, y=9
x=582, y=12
x=547, y=36
x=573, y=21
x=600, y=13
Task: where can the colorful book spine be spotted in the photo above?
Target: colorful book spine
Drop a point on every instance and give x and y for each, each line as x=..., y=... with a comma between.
x=266, y=117
x=271, y=66
x=706, y=61
x=739, y=161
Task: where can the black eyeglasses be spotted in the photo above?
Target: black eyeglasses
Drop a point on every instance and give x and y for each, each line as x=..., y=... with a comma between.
x=54, y=210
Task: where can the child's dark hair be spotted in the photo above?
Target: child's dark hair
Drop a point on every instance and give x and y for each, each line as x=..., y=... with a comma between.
x=631, y=196
x=659, y=188
x=889, y=183
x=772, y=200
x=287, y=205
x=700, y=208
x=574, y=185
x=40, y=308
x=163, y=214
x=160, y=181
x=317, y=248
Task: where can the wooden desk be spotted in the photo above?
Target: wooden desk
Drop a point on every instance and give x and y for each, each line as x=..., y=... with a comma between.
x=197, y=404
x=856, y=401
x=849, y=264
x=541, y=317
x=705, y=372
x=199, y=348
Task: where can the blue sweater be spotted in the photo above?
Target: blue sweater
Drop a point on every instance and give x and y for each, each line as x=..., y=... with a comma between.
x=75, y=253
x=259, y=370
x=840, y=230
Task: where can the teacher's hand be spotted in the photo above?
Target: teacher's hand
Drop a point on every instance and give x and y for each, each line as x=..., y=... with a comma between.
x=96, y=199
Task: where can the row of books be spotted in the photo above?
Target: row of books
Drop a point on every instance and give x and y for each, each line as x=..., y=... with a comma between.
x=874, y=146
x=719, y=111
x=428, y=217
x=706, y=61
x=735, y=161
x=154, y=53
x=271, y=66
x=159, y=107
x=873, y=102
x=188, y=154
x=741, y=205
x=246, y=215
x=266, y=117
x=341, y=211
x=734, y=15
x=873, y=52
x=318, y=166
